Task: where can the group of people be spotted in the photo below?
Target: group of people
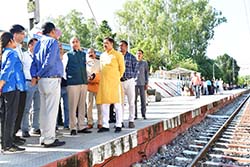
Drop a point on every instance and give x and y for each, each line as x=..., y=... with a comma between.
x=32, y=84
x=205, y=87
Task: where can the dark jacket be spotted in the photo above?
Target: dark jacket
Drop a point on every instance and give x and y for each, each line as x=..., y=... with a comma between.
x=76, y=68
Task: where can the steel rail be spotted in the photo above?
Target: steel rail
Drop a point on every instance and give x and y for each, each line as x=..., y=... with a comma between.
x=217, y=134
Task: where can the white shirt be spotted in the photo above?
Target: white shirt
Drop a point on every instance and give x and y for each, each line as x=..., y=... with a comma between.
x=65, y=63
x=93, y=66
x=20, y=52
x=27, y=61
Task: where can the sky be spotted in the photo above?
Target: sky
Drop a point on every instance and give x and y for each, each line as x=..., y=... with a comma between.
x=232, y=37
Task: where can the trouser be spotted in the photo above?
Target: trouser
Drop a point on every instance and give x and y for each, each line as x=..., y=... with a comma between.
x=59, y=120
x=32, y=104
x=77, y=99
x=49, y=89
x=20, y=111
x=105, y=115
x=128, y=87
x=9, y=114
x=65, y=114
x=197, y=91
x=64, y=95
x=139, y=89
x=91, y=96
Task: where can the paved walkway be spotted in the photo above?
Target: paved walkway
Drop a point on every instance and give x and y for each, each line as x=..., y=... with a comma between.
x=35, y=155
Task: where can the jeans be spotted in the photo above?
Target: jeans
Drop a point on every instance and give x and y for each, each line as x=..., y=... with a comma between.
x=32, y=108
x=64, y=96
x=197, y=91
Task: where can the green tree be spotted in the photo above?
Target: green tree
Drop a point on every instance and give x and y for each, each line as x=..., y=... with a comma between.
x=74, y=24
x=104, y=31
x=229, y=68
x=244, y=80
x=93, y=29
x=169, y=31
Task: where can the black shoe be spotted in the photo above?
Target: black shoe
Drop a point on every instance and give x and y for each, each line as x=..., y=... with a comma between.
x=123, y=126
x=25, y=134
x=73, y=132
x=37, y=132
x=103, y=130
x=60, y=123
x=112, y=121
x=135, y=118
x=131, y=125
x=118, y=129
x=144, y=118
x=56, y=143
x=13, y=149
x=18, y=141
x=84, y=130
x=19, y=138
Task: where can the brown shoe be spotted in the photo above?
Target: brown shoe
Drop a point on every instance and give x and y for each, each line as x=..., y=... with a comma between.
x=131, y=125
x=99, y=126
x=90, y=126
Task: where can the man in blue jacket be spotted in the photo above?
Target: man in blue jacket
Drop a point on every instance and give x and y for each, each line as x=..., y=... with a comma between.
x=47, y=70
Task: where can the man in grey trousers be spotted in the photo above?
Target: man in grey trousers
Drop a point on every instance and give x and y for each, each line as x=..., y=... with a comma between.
x=141, y=83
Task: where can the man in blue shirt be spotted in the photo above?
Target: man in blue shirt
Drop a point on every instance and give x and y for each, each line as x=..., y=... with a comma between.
x=47, y=70
x=128, y=80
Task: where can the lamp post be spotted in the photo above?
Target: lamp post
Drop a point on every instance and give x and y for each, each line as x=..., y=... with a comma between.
x=213, y=71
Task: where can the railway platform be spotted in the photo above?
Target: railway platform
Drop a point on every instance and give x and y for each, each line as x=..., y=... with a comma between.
x=165, y=120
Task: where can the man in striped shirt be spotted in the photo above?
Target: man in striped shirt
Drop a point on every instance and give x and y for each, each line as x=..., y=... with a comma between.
x=128, y=80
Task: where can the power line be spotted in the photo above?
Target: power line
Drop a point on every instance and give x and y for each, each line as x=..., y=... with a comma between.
x=92, y=13
x=247, y=16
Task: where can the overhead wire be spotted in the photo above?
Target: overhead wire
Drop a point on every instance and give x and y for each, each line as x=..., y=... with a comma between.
x=247, y=15
x=92, y=12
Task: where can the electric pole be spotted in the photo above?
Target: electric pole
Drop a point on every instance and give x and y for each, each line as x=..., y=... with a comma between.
x=34, y=12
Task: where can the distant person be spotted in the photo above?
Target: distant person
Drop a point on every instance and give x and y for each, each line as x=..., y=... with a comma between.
x=12, y=82
x=141, y=83
x=110, y=91
x=32, y=104
x=204, y=86
x=128, y=81
x=77, y=85
x=47, y=71
x=209, y=86
x=196, y=82
x=18, y=32
x=220, y=86
x=93, y=70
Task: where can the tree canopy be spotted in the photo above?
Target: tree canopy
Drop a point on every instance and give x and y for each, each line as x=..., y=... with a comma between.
x=172, y=33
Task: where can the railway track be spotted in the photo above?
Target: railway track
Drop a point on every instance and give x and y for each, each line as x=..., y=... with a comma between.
x=226, y=142
x=220, y=140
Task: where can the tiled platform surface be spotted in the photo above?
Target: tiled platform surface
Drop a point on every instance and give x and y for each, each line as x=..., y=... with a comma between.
x=166, y=119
